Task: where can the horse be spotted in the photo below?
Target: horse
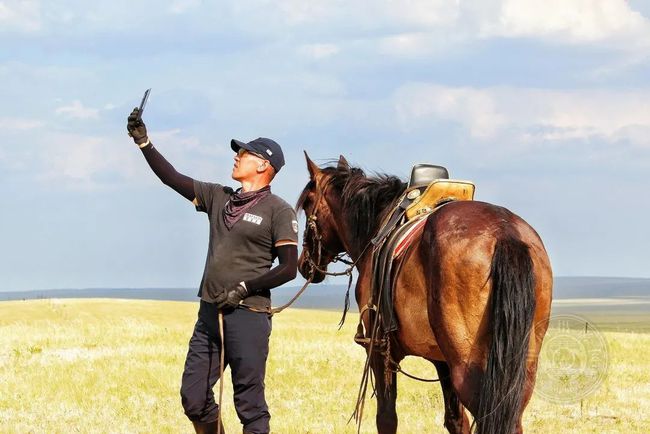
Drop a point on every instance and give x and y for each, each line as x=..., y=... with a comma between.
x=473, y=294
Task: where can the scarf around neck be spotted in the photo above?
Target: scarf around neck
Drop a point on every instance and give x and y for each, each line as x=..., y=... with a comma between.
x=240, y=202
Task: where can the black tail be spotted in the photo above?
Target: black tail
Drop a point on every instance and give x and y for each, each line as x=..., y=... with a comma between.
x=512, y=308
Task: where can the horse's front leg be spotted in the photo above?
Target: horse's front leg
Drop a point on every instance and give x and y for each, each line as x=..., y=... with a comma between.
x=386, y=397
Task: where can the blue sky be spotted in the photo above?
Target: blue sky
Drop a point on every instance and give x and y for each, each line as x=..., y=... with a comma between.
x=544, y=105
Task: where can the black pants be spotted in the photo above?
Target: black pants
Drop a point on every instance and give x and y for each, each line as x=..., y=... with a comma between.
x=247, y=347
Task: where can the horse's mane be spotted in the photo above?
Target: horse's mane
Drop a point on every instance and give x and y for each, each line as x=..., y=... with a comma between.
x=365, y=199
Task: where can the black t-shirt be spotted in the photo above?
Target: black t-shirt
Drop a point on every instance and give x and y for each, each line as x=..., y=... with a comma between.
x=247, y=250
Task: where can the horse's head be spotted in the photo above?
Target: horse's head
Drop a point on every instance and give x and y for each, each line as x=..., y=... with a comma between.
x=344, y=208
x=321, y=202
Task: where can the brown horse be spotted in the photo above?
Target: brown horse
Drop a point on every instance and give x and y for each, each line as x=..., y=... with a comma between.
x=473, y=295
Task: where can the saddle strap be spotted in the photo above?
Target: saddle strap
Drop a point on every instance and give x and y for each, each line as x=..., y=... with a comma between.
x=402, y=204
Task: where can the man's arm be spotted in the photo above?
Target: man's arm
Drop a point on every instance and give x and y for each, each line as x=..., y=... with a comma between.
x=182, y=184
x=282, y=273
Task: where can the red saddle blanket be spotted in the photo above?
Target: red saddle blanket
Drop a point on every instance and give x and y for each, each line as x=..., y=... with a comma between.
x=407, y=237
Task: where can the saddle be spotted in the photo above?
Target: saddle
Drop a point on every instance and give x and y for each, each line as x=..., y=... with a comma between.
x=429, y=189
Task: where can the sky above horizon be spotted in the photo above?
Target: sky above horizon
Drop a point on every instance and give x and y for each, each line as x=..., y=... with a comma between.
x=544, y=105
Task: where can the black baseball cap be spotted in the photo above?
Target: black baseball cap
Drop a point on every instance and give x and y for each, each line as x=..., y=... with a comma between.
x=267, y=148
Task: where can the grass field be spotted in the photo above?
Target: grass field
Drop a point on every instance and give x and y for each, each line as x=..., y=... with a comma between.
x=114, y=366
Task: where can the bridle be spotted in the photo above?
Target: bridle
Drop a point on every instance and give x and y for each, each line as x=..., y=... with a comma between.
x=313, y=266
x=312, y=233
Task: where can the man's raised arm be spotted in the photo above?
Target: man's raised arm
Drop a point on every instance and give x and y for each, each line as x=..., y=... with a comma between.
x=182, y=184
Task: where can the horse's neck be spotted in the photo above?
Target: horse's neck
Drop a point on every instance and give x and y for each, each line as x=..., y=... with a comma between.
x=362, y=288
x=354, y=247
x=364, y=257
x=358, y=251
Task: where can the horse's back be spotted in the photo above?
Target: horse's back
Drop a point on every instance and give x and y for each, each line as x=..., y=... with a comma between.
x=468, y=231
x=458, y=243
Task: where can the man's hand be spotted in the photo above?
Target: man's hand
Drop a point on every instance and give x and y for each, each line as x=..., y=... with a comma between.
x=136, y=128
x=231, y=297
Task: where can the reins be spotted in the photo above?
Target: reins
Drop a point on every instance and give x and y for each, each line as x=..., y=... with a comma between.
x=390, y=365
x=221, y=362
x=313, y=268
x=311, y=224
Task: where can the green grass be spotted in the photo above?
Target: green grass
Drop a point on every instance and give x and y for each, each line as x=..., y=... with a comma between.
x=114, y=366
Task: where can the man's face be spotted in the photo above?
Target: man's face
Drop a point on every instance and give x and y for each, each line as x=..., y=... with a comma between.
x=247, y=164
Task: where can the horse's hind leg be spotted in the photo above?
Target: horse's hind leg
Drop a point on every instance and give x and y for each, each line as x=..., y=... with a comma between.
x=456, y=420
x=386, y=396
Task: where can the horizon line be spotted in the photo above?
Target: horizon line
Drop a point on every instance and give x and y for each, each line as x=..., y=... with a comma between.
x=280, y=287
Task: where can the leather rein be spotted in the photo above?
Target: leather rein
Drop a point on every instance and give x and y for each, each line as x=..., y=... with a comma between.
x=312, y=233
x=316, y=237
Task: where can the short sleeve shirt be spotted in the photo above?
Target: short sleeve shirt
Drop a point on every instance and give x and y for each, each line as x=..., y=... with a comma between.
x=247, y=250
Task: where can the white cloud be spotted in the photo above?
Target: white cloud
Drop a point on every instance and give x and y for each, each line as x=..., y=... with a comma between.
x=299, y=12
x=398, y=28
x=318, y=51
x=474, y=108
x=83, y=162
x=368, y=14
x=406, y=44
x=578, y=21
x=420, y=44
x=423, y=12
x=23, y=16
x=188, y=154
x=10, y=123
x=415, y=28
x=77, y=161
x=182, y=6
x=529, y=115
x=77, y=110
x=79, y=158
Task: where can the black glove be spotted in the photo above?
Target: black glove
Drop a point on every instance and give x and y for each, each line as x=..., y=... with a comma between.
x=136, y=128
x=231, y=297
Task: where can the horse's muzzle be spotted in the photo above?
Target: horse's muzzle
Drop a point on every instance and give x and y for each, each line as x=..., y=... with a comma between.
x=305, y=270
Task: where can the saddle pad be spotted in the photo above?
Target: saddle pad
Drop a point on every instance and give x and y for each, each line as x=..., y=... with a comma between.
x=383, y=276
x=407, y=237
x=438, y=192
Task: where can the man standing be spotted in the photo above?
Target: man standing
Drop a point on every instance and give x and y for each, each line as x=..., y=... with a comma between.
x=249, y=228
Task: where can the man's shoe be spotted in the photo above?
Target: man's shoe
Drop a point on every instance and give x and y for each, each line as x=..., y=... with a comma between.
x=208, y=428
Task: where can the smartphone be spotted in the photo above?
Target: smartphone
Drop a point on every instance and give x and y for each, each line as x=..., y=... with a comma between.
x=143, y=103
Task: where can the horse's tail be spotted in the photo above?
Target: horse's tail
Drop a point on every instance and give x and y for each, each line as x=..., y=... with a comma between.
x=512, y=308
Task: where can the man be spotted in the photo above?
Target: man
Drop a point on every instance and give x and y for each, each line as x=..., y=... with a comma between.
x=249, y=228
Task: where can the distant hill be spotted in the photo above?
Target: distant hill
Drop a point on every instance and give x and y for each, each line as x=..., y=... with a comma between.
x=600, y=287
x=325, y=296
x=322, y=296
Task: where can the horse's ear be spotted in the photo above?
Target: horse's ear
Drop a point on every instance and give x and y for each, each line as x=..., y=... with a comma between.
x=314, y=170
x=343, y=163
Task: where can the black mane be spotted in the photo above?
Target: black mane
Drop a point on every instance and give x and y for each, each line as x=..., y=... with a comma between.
x=365, y=199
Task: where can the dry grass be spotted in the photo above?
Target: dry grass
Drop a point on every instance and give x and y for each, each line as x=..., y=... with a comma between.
x=114, y=366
